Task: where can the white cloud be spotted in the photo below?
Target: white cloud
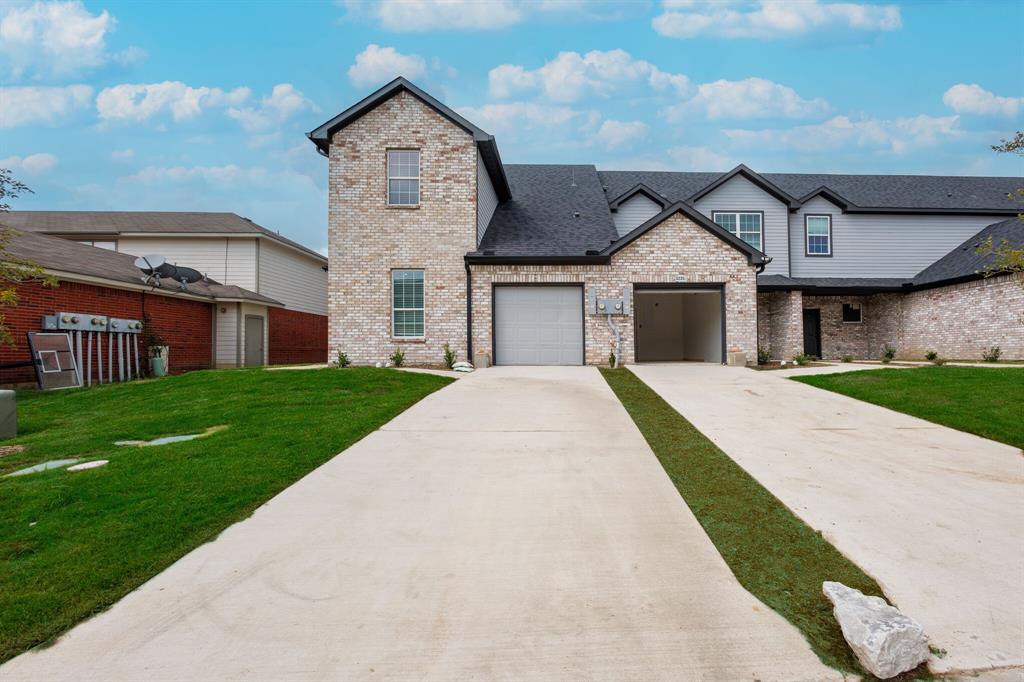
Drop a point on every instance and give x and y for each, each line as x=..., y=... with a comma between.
x=570, y=76
x=142, y=101
x=377, y=65
x=974, y=99
x=283, y=102
x=35, y=105
x=515, y=117
x=699, y=159
x=418, y=16
x=614, y=134
x=897, y=135
x=33, y=164
x=57, y=38
x=748, y=98
x=770, y=19
x=122, y=154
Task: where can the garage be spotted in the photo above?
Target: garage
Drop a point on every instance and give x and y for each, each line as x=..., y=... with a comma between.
x=676, y=324
x=538, y=325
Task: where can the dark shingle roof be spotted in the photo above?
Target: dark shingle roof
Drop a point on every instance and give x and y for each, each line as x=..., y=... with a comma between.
x=62, y=255
x=965, y=261
x=843, y=283
x=157, y=222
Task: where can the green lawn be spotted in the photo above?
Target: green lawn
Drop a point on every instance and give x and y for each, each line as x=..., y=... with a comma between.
x=985, y=401
x=72, y=543
x=777, y=557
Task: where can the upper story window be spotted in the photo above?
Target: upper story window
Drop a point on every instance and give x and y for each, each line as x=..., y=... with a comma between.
x=100, y=243
x=403, y=177
x=746, y=226
x=818, y=229
x=407, y=303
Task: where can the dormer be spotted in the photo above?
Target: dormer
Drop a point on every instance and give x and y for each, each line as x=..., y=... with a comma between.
x=636, y=206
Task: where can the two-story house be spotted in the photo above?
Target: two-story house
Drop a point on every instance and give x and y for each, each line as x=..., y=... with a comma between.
x=433, y=241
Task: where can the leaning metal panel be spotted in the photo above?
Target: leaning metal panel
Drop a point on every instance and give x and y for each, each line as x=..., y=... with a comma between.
x=54, y=360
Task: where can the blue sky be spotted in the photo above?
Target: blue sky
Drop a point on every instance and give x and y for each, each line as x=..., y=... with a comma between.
x=204, y=106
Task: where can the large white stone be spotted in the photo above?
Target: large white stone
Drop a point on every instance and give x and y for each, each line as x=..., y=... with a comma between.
x=885, y=641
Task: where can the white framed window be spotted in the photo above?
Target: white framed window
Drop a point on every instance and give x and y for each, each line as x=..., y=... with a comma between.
x=747, y=225
x=403, y=177
x=100, y=243
x=407, y=303
x=818, y=235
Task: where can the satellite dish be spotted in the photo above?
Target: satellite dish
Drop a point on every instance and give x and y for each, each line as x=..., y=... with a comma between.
x=155, y=266
x=187, y=275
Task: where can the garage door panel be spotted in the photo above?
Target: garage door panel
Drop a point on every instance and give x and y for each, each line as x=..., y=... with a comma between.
x=538, y=325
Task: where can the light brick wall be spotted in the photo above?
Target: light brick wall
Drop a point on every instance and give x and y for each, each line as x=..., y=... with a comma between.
x=840, y=338
x=780, y=323
x=675, y=251
x=367, y=239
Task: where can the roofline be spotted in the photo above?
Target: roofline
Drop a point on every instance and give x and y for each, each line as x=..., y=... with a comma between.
x=754, y=256
x=639, y=188
x=593, y=259
x=908, y=287
x=321, y=135
x=754, y=177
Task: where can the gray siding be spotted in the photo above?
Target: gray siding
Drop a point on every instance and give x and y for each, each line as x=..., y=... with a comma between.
x=636, y=210
x=879, y=245
x=740, y=194
x=486, y=199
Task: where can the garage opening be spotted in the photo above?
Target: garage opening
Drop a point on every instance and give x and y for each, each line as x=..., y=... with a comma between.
x=538, y=325
x=679, y=324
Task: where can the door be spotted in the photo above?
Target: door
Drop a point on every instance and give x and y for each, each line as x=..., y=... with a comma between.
x=253, y=341
x=659, y=326
x=541, y=325
x=812, y=332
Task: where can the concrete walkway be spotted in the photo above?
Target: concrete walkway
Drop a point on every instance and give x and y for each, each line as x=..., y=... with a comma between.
x=513, y=525
x=934, y=514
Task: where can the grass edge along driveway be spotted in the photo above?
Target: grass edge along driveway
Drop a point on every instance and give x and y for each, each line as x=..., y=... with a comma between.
x=73, y=543
x=985, y=401
x=777, y=557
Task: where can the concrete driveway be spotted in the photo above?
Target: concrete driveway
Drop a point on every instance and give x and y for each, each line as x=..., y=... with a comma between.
x=934, y=514
x=513, y=525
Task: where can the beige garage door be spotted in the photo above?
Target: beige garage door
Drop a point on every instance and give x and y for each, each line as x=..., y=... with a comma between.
x=540, y=325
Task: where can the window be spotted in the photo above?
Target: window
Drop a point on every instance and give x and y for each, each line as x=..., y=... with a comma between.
x=403, y=177
x=819, y=235
x=407, y=303
x=746, y=226
x=851, y=313
x=99, y=243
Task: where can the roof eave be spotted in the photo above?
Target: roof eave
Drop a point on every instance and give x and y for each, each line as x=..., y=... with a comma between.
x=590, y=259
x=753, y=176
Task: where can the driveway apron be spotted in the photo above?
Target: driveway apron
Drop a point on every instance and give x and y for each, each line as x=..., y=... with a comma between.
x=512, y=526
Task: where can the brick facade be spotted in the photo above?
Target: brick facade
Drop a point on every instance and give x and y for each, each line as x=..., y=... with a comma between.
x=295, y=337
x=368, y=238
x=186, y=324
x=780, y=323
x=674, y=252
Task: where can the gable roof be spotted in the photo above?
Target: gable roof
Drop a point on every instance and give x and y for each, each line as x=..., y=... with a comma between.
x=756, y=178
x=640, y=188
x=322, y=134
x=964, y=262
x=116, y=223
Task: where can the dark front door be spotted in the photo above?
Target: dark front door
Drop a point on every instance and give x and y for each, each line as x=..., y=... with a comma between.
x=812, y=332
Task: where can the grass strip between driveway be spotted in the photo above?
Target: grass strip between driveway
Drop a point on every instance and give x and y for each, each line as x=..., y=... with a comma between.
x=985, y=401
x=777, y=557
x=73, y=543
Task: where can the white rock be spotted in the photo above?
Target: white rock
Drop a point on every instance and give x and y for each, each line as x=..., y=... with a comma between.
x=88, y=465
x=379, y=365
x=462, y=366
x=885, y=641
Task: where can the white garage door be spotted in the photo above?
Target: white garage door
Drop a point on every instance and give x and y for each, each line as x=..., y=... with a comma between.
x=538, y=325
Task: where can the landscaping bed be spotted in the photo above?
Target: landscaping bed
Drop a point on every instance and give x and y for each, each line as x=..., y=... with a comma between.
x=73, y=543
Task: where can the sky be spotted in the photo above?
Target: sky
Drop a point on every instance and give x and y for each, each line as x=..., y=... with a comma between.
x=193, y=106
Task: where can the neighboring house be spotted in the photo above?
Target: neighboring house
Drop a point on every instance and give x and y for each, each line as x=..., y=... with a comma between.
x=228, y=249
x=433, y=240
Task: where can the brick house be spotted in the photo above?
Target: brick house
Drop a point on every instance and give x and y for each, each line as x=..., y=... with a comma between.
x=434, y=241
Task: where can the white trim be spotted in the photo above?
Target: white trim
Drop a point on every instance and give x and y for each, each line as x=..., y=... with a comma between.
x=760, y=226
x=389, y=178
x=807, y=233
x=79, y=236
x=422, y=309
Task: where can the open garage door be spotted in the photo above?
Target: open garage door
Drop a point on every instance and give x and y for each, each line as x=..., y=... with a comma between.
x=679, y=324
x=538, y=325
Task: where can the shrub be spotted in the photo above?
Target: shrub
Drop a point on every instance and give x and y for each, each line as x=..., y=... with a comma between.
x=847, y=358
x=802, y=359
x=888, y=353
x=764, y=355
x=938, y=361
x=343, y=360
x=931, y=355
x=397, y=358
x=992, y=354
x=449, y=356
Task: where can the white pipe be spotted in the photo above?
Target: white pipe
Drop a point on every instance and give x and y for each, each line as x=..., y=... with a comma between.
x=88, y=362
x=99, y=356
x=110, y=358
x=618, y=341
x=78, y=356
x=120, y=356
x=135, y=344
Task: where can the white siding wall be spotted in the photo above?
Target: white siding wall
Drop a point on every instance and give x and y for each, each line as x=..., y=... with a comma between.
x=298, y=281
x=226, y=260
x=486, y=198
x=866, y=245
x=636, y=210
x=227, y=335
x=740, y=194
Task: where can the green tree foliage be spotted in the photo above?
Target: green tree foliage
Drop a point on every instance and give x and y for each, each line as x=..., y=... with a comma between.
x=1008, y=258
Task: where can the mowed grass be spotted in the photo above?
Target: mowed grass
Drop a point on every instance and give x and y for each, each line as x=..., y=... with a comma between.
x=777, y=557
x=985, y=401
x=72, y=543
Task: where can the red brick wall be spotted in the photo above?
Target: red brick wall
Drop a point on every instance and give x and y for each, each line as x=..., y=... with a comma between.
x=296, y=337
x=187, y=325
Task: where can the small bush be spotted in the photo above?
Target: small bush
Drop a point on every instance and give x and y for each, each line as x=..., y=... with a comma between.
x=992, y=354
x=931, y=355
x=802, y=359
x=938, y=361
x=764, y=355
x=888, y=354
x=449, y=356
x=397, y=358
x=342, y=360
x=847, y=358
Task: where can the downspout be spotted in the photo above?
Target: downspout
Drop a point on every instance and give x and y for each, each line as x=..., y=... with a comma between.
x=469, y=314
x=762, y=266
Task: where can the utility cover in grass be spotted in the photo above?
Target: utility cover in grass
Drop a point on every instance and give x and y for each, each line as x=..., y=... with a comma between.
x=52, y=464
x=172, y=439
x=88, y=465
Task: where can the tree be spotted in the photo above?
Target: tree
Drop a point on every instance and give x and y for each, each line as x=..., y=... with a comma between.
x=1008, y=258
x=13, y=269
